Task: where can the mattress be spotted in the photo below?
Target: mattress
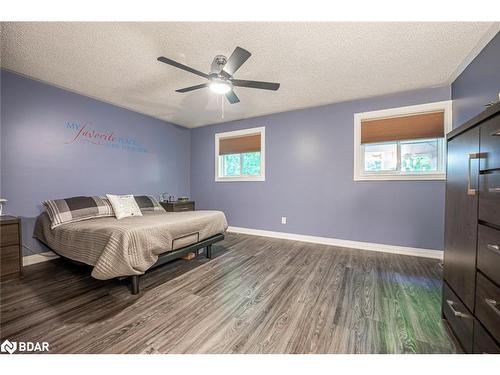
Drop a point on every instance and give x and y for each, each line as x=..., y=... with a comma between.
x=131, y=245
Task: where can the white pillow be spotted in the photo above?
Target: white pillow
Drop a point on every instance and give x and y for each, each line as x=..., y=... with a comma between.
x=124, y=205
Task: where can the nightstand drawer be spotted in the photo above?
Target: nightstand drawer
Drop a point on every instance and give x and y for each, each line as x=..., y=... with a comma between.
x=10, y=260
x=178, y=206
x=184, y=207
x=9, y=234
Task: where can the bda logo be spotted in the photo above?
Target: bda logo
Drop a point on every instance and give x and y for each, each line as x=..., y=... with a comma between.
x=8, y=346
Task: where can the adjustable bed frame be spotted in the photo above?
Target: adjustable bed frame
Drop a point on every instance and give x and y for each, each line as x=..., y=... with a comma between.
x=167, y=257
x=176, y=254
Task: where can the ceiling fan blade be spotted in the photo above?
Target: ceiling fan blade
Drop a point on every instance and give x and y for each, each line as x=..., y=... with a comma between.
x=232, y=98
x=181, y=66
x=192, y=88
x=256, y=84
x=237, y=59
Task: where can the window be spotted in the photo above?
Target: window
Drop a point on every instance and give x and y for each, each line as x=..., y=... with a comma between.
x=381, y=157
x=405, y=143
x=239, y=155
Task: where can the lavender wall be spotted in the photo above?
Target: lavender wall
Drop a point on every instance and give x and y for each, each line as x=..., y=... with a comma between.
x=147, y=156
x=309, y=179
x=478, y=84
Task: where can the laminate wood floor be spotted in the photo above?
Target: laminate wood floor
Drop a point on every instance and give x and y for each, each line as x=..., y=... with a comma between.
x=259, y=295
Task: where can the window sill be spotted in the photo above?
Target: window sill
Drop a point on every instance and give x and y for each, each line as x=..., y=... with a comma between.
x=240, y=179
x=401, y=177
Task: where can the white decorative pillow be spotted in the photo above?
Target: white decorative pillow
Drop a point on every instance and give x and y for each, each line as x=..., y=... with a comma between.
x=124, y=205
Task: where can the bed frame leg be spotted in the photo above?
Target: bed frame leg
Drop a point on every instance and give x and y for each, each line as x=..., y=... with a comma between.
x=135, y=284
x=209, y=251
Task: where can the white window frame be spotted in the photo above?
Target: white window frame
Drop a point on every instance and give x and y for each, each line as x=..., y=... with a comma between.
x=440, y=174
x=239, y=133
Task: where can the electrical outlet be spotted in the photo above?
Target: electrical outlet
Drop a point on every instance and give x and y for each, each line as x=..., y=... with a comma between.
x=283, y=220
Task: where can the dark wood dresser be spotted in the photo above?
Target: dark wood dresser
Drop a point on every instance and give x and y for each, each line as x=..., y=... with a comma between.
x=11, y=258
x=178, y=206
x=471, y=288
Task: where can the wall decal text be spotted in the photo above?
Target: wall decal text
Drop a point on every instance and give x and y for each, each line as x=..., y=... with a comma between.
x=86, y=132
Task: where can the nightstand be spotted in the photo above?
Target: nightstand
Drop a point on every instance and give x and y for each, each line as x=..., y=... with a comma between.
x=178, y=206
x=11, y=257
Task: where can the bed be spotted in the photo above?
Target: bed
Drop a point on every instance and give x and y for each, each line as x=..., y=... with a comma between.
x=131, y=246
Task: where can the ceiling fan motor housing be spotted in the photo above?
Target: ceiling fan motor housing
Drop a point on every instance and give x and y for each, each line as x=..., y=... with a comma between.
x=217, y=64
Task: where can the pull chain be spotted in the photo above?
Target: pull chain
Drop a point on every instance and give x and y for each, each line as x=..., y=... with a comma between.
x=222, y=107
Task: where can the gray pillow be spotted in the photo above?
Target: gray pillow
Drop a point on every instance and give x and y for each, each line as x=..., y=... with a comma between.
x=148, y=203
x=73, y=209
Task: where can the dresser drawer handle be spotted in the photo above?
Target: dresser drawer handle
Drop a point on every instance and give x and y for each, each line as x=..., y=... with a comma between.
x=493, y=304
x=494, y=190
x=455, y=312
x=494, y=248
x=470, y=190
x=496, y=133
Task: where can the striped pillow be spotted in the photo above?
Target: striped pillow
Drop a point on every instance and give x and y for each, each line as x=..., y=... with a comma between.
x=148, y=203
x=62, y=211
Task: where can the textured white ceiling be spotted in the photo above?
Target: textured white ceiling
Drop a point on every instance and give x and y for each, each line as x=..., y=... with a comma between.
x=316, y=63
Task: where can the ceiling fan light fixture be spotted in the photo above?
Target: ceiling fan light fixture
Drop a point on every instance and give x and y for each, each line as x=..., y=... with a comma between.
x=220, y=87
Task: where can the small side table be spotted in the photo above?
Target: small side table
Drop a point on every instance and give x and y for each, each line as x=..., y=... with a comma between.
x=178, y=206
x=11, y=257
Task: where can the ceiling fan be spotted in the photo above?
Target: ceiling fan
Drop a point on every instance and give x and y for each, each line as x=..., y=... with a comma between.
x=220, y=79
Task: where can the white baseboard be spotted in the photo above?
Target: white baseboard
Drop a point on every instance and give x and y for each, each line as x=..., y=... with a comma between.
x=38, y=258
x=404, y=250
